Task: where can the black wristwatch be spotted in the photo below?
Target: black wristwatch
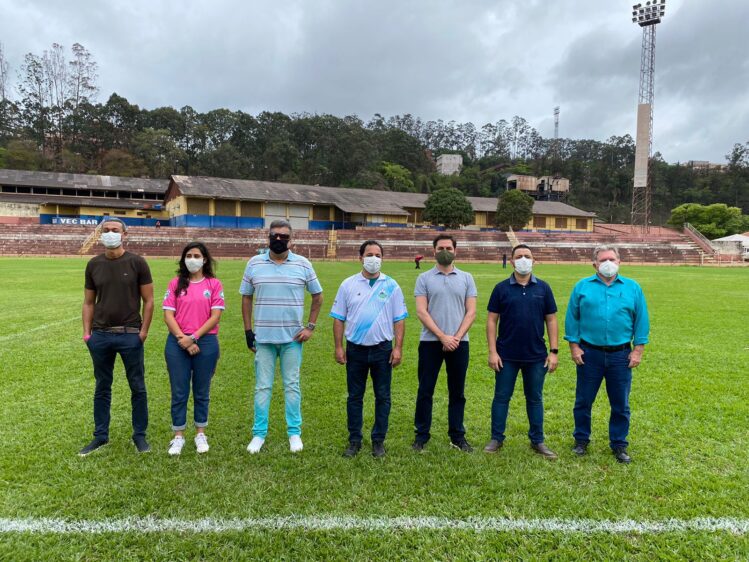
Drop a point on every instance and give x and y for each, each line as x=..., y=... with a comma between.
x=555, y=351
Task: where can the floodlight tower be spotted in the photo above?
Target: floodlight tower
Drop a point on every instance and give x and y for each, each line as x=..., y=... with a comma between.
x=647, y=17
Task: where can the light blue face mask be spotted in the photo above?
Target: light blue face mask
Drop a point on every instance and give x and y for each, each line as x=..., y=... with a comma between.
x=111, y=240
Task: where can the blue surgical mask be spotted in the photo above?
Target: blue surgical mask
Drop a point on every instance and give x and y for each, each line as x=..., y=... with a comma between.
x=111, y=240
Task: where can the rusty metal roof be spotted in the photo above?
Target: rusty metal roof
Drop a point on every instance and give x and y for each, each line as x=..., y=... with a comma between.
x=81, y=181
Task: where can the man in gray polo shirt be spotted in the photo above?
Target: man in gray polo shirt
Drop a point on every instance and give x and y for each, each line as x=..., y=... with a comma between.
x=446, y=307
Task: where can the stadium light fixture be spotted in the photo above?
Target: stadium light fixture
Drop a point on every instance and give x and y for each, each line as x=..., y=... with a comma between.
x=649, y=14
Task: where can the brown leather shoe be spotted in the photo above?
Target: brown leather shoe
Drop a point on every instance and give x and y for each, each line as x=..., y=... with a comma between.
x=493, y=446
x=544, y=451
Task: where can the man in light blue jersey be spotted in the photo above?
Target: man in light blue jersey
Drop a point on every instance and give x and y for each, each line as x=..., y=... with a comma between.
x=275, y=283
x=370, y=310
x=606, y=316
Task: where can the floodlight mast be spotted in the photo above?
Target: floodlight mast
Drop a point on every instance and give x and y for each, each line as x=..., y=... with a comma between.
x=647, y=17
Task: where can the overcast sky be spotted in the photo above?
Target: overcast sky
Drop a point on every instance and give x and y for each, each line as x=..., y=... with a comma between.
x=469, y=60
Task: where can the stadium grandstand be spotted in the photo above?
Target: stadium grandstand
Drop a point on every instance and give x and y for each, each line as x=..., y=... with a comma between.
x=55, y=214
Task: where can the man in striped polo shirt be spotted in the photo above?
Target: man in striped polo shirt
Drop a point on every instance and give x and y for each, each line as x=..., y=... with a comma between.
x=371, y=310
x=275, y=282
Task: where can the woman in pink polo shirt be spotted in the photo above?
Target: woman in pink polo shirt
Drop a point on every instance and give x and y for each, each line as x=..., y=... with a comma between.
x=192, y=307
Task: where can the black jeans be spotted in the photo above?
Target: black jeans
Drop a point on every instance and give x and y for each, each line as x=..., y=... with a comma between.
x=431, y=357
x=104, y=347
x=362, y=360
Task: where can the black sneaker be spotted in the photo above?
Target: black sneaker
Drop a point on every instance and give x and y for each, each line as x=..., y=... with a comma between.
x=96, y=443
x=580, y=448
x=418, y=446
x=378, y=449
x=141, y=444
x=621, y=455
x=463, y=445
x=352, y=450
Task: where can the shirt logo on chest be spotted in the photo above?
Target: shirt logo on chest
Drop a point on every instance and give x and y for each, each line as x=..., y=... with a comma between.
x=207, y=294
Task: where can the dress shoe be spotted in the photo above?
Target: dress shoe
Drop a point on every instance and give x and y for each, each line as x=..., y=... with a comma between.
x=580, y=448
x=352, y=450
x=621, y=455
x=544, y=451
x=378, y=449
x=493, y=446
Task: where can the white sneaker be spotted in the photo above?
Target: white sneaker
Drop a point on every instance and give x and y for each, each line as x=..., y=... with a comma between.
x=295, y=444
x=255, y=445
x=175, y=446
x=201, y=443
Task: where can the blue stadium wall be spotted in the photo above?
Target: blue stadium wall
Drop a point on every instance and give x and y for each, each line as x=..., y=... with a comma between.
x=93, y=220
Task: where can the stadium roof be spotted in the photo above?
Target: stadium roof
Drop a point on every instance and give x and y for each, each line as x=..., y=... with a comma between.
x=349, y=200
x=81, y=181
x=106, y=202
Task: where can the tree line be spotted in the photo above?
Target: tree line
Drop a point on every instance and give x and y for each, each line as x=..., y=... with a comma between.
x=50, y=119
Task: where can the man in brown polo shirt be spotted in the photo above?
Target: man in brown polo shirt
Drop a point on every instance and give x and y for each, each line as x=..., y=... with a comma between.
x=117, y=282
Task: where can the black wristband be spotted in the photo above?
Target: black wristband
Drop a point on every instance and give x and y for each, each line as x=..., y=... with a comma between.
x=554, y=350
x=249, y=336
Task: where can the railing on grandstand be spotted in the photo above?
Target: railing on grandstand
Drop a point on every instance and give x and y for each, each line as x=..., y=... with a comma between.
x=702, y=240
x=90, y=240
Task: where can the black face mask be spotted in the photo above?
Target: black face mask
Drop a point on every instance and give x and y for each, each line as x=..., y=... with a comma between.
x=278, y=246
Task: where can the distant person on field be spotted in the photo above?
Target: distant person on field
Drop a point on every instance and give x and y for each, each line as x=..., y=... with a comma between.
x=504, y=261
x=446, y=307
x=193, y=304
x=606, y=316
x=118, y=284
x=417, y=261
x=370, y=311
x=275, y=283
x=522, y=305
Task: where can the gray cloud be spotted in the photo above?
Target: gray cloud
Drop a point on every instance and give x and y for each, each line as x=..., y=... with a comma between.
x=477, y=61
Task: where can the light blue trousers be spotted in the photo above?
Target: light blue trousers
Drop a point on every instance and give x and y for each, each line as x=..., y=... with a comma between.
x=290, y=356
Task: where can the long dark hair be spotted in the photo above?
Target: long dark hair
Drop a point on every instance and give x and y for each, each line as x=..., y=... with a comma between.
x=184, y=274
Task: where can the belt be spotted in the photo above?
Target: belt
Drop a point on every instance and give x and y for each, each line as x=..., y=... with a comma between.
x=607, y=348
x=382, y=343
x=121, y=330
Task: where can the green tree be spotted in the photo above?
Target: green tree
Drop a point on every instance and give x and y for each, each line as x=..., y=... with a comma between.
x=713, y=221
x=448, y=206
x=117, y=162
x=514, y=209
x=396, y=177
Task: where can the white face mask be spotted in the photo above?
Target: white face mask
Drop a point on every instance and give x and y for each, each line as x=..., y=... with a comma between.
x=608, y=269
x=523, y=266
x=372, y=264
x=111, y=240
x=193, y=265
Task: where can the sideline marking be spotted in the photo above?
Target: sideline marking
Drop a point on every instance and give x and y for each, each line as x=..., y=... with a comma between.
x=731, y=525
x=37, y=328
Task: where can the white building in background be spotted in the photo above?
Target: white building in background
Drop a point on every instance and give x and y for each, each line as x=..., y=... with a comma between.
x=449, y=164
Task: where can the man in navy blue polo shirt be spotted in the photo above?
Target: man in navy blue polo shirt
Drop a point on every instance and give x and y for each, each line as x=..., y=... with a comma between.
x=521, y=305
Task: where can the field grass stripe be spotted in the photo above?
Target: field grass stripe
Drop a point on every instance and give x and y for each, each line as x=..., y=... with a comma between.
x=736, y=526
x=38, y=328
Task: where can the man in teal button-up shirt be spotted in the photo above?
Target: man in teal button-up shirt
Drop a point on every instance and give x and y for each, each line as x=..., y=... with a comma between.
x=607, y=314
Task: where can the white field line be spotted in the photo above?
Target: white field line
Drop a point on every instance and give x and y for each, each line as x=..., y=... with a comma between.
x=734, y=526
x=38, y=328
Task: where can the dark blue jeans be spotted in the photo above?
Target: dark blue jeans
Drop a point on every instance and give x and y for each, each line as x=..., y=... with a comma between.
x=431, y=357
x=534, y=374
x=185, y=368
x=104, y=347
x=598, y=366
x=361, y=361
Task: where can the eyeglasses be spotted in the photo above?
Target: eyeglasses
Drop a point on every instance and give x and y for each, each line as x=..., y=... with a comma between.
x=276, y=235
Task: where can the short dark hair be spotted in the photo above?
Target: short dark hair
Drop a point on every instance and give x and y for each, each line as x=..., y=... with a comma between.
x=520, y=247
x=444, y=237
x=370, y=243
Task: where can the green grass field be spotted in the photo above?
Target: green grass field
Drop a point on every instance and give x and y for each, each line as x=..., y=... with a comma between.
x=690, y=438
